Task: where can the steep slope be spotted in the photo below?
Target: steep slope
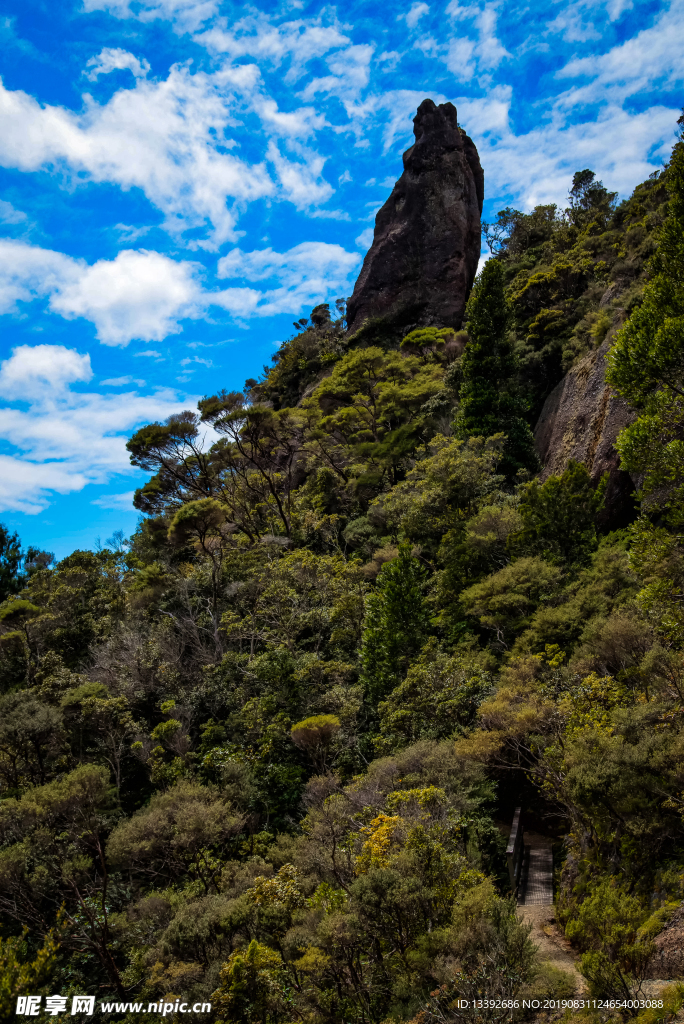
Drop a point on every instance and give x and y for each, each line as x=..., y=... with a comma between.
x=581, y=420
x=573, y=279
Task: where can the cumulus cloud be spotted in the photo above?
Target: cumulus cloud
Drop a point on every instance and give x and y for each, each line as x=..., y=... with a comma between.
x=33, y=370
x=204, y=144
x=114, y=59
x=28, y=272
x=304, y=275
x=142, y=295
x=64, y=439
x=137, y=295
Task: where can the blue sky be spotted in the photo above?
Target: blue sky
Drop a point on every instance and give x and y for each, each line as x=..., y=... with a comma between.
x=181, y=179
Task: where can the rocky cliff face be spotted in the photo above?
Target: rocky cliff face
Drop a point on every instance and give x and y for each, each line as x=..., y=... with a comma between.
x=581, y=420
x=668, y=958
x=422, y=263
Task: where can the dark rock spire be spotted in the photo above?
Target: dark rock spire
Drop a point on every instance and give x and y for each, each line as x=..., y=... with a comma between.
x=422, y=263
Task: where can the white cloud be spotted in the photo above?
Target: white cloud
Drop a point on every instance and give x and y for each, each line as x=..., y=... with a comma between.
x=415, y=13
x=299, y=123
x=9, y=214
x=114, y=59
x=28, y=272
x=616, y=8
x=582, y=21
x=25, y=486
x=350, y=74
x=365, y=239
x=130, y=233
x=119, y=382
x=487, y=50
x=137, y=295
x=309, y=273
x=119, y=502
x=64, y=439
x=576, y=22
x=635, y=66
x=32, y=371
x=166, y=138
x=143, y=295
x=173, y=140
x=187, y=15
x=537, y=167
x=188, y=360
x=300, y=181
x=461, y=59
x=256, y=36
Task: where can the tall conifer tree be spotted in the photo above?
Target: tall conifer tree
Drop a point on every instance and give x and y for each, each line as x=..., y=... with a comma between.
x=397, y=624
x=491, y=402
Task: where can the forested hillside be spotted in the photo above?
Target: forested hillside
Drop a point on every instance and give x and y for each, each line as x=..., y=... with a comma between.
x=263, y=753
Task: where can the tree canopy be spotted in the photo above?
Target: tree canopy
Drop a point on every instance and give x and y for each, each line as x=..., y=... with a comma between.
x=262, y=754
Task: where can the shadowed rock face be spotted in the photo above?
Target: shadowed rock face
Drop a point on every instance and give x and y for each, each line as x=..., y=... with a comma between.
x=668, y=958
x=421, y=266
x=581, y=420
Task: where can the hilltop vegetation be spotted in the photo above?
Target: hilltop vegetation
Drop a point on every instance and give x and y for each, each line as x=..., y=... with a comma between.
x=258, y=753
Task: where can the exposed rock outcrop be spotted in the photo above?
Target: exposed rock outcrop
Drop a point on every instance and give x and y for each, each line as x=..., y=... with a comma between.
x=668, y=959
x=422, y=263
x=581, y=420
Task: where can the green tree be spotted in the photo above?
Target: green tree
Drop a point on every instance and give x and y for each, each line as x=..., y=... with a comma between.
x=646, y=363
x=646, y=366
x=440, y=693
x=489, y=395
x=53, y=866
x=315, y=735
x=253, y=987
x=179, y=832
x=367, y=418
x=505, y=601
x=31, y=736
x=607, y=927
x=559, y=516
x=20, y=974
x=11, y=577
x=397, y=623
x=250, y=470
x=589, y=199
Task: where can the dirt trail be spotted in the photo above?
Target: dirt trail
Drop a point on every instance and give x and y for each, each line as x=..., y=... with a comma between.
x=536, y=908
x=553, y=946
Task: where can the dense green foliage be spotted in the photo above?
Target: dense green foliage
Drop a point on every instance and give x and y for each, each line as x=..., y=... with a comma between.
x=490, y=402
x=263, y=752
